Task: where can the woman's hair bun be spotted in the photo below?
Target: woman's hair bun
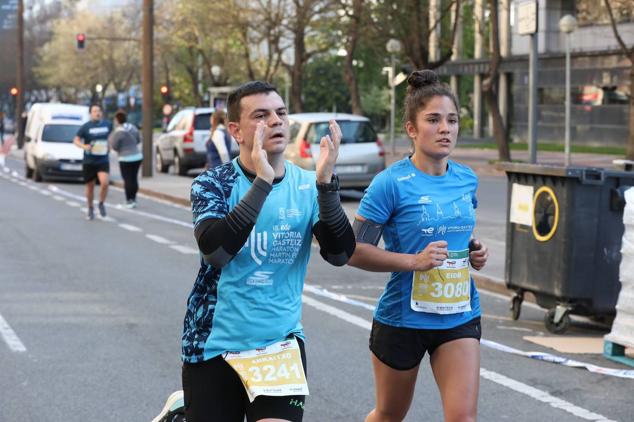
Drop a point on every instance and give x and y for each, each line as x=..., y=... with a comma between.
x=421, y=78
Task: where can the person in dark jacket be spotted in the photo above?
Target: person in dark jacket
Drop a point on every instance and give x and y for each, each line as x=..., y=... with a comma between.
x=125, y=140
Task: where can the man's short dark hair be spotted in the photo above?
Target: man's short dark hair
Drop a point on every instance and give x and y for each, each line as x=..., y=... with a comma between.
x=121, y=116
x=94, y=105
x=245, y=90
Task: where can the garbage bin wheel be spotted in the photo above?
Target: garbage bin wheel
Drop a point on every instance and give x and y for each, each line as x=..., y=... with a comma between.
x=516, y=307
x=559, y=327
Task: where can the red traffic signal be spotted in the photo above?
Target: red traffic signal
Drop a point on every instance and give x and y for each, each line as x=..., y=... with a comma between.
x=81, y=41
x=13, y=91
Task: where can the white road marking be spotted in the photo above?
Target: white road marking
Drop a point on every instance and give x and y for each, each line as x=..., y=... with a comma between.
x=500, y=379
x=45, y=193
x=10, y=337
x=130, y=227
x=542, y=396
x=73, y=204
x=185, y=249
x=58, y=198
x=131, y=211
x=341, y=314
x=159, y=239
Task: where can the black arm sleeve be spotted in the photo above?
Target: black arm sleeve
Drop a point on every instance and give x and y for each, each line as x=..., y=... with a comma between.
x=220, y=239
x=333, y=230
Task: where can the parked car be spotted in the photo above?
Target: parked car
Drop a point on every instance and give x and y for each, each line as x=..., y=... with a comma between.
x=182, y=143
x=361, y=154
x=49, y=152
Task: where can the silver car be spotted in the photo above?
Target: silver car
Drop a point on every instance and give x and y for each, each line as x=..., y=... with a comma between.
x=183, y=142
x=361, y=154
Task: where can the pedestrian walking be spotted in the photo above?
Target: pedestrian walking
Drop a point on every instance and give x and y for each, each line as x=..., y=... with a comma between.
x=424, y=207
x=219, y=143
x=92, y=137
x=125, y=140
x=254, y=218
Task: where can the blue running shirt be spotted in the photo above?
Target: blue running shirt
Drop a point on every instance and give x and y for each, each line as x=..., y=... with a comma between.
x=416, y=209
x=256, y=299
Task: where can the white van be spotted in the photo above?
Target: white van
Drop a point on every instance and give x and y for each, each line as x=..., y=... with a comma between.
x=49, y=133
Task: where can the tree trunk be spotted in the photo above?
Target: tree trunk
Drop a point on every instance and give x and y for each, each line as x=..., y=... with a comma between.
x=349, y=74
x=489, y=87
x=297, y=74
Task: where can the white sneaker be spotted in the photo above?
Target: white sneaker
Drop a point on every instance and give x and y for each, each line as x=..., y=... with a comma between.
x=130, y=204
x=174, y=409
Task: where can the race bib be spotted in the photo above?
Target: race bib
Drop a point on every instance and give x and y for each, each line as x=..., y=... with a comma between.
x=445, y=289
x=274, y=370
x=99, y=148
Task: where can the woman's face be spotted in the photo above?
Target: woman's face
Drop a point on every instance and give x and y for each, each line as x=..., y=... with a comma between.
x=435, y=131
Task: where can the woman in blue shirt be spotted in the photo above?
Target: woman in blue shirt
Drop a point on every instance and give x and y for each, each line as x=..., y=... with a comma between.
x=424, y=206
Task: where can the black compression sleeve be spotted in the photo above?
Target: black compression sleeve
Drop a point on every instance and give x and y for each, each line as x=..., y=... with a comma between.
x=220, y=239
x=333, y=230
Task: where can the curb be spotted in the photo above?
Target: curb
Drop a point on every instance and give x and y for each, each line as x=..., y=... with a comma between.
x=482, y=282
x=158, y=195
x=496, y=285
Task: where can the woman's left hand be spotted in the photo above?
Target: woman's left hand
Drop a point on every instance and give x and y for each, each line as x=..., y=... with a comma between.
x=328, y=152
x=478, y=254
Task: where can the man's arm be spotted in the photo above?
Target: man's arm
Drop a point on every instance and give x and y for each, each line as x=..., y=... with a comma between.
x=78, y=143
x=333, y=230
x=220, y=239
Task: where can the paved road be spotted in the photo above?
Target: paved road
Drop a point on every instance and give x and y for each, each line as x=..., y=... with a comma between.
x=96, y=311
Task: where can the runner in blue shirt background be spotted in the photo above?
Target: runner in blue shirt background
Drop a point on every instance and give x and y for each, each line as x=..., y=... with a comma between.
x=424, y=207
x=92, y=137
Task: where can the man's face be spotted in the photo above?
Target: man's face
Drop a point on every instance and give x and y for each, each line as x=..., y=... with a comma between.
x=95, y=113
x=268, y=107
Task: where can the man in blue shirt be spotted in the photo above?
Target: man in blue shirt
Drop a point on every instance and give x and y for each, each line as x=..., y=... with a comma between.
x=254, y=218
x=92, y=137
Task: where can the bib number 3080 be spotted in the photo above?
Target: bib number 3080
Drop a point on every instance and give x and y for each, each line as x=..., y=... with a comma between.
x=445, y=289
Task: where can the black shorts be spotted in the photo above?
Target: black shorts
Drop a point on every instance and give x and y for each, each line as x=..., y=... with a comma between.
x=403, y=348
x=91, y=170
x=213, y=392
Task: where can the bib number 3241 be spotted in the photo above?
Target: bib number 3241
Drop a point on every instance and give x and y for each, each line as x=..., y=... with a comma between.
x=274, y=370
x=445, y=289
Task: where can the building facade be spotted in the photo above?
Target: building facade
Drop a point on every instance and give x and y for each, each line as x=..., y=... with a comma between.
x=600, y=85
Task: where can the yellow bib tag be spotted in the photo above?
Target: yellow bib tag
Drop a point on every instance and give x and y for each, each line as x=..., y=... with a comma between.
x=274, y=370
x=99, y=148
x=445, y=289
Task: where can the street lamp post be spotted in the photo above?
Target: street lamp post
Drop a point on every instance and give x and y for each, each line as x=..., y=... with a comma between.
x=567, y=25
x=393, y=47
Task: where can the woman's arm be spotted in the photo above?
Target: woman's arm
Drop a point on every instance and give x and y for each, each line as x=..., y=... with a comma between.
x=369, y=257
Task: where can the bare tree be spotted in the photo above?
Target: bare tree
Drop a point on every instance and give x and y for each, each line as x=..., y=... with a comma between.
x=629, y=53
x=490, y=84
x=410, y=24
x=354, y=14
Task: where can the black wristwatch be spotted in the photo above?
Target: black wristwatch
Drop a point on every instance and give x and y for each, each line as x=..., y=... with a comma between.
x=333, y=186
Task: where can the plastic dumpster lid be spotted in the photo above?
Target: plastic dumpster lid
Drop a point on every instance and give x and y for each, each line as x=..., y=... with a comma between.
x=589, y=175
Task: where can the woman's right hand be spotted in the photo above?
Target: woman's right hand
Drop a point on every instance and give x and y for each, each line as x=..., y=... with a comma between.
x=432, y=256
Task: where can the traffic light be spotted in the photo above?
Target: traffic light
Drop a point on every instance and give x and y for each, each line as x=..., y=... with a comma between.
x=13, y=91
x=165, y=93
x=81, y=41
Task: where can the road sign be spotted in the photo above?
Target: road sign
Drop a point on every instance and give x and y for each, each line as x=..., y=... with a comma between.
x=527, y=17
